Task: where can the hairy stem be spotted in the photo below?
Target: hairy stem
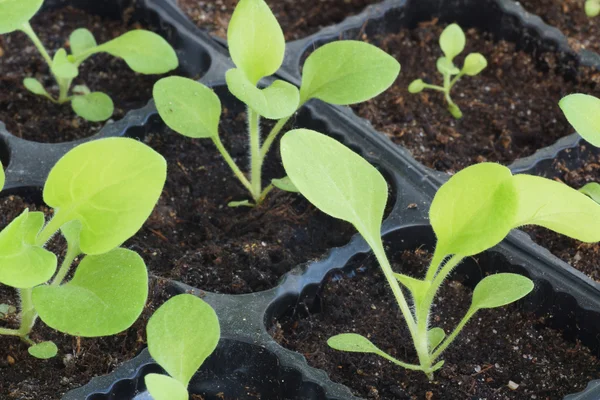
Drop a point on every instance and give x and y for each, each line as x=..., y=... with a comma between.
x=238, y=173
x=272, y=136
x=28, y=30
x=72, y=253
x=28, y=314
x=255, y=155
x=453, y=335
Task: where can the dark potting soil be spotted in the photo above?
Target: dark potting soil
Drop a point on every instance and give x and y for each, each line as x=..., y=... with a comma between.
x=568, y=16
x=497, y=346
x=194, y=237
x=510, y=109
x=35, y=118
x=298, y=18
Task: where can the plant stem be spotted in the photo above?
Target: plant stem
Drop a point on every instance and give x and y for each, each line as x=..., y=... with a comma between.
x=436, y=260
x=434, y=87
x=49, y=229
x=28, y=314
x=72, y=253
x=452, y=336
x=28, y=30
x=273, y=135
x=238, y=173
x=255, y=155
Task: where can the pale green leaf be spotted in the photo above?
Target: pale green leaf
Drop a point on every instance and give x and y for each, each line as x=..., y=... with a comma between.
x=583, y=113
x=452, y=41
x=111, y=185
x=347, y=72
x=95, y=106
x=353, y=343
x=416, y=86
x=15, y=13
x=255, y=40
x=592, y=190
x=285, y=184
x=162, y=387
x=143, y=51
x=240, y=203
x=35, y=87
x=22, y=263
x=435, y=336
x=446, y=67
x=62, y=67
x=280, y=100
x=71, y=231
x=81, y=90
x=182, y=333
x=335, y=179
x=499, y=290
x=474, y=210
x=558, y=207
x=188, y=107
x=592, y=8
x=474, y=64
x=82, y=40
x=106, y=295
x=418, y=288
x=43, y=350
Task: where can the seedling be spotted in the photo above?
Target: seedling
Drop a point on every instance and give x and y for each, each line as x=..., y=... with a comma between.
x=182, y=333
x=592, y=8
x=342, y=73
x=472, y=212
x=101, y=192
x=452, y=43
x=143, y=51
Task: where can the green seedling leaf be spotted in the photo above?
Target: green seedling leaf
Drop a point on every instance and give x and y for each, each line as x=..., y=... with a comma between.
x=452, y=41
x=416, y=86
x=335, y=179
x=82, y=40
x=455, y=111
x=285, y=184
x=592, y=8
x=44, y=350
x=163, y=387
x=110, y=185
x=188, y=107
x=81, y=90
x=592, y=190
x=24, y=265
x=446, y=67
x=583, y=113
x=15, y=13
x=241, y=203
x=35, y=87
x=435, y=337
x=474, y=64
x=418, y=288
x=499, y=290
x=558, y=207
x=347, y=72
x=182, y=333
x=143, y=51
x=353, y=343
x=280, y=100
x=255, y=39
x=106, y=295
x=95, y=106
x=474, y=210
x=62, y=67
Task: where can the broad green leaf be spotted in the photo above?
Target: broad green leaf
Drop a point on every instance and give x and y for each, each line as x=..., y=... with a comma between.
x=583, y=113
x=474, y=210
x=95, y=106
x=82, y=40
x=452, y=41
x=106, y=295
x=353, y=343
x=558, y=207
x=182, y=333
x=499, y=290
x=44, y=350
x=347, y=72
x=474, y=64
x=144, y=51
x=35, y=87
x=416, y=86
x=111, y=185
x=335, y=179
x=592, y=190
x=255, y=40
x=280, y=100
x=285, y=184
x=592, y=8
x=62, y=67
x=22, y=263
x=435, y=336
x=188, y=107
x=15, y=13
x=163, y=387
x=417, y=287
x=446, y=67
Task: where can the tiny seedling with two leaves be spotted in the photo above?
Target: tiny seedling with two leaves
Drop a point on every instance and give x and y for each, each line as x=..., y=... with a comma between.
x=342, y=73
x=452, y=43
x=101, y=193
x=143, y=51
x=472, y=212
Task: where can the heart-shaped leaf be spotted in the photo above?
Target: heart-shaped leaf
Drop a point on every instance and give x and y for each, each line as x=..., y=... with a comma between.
x=106, y=295
x=82, y=40
x=499, y=290
x=162, y=387
x=62, y=67
x=452, y=41
x=44, y=350
x=583, y=113
x=15, y=13
x=95, y=106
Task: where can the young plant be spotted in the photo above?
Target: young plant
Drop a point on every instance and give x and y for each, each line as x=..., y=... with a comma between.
x=182, y=333
x=592, y=8
x=472, y=212
x=101, y=193
x=342, y=73
x=143, y=51
x=452, y=43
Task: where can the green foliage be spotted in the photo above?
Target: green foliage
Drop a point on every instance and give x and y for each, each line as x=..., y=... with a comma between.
x=44, y=350
x=285, y=184
x=583, y=112
x=82, y=40
x=163, y=387
x=94, y=107
x=592, y=8
x=452, y=43
x=592, y=190
x=15, y=13
x=470, y=213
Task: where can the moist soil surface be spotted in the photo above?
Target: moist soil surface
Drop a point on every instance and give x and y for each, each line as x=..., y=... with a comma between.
x=298, y=18
x=583, y=33
x=194, y=237
x=36, y=118
x=510, y=109
x=497, y=346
